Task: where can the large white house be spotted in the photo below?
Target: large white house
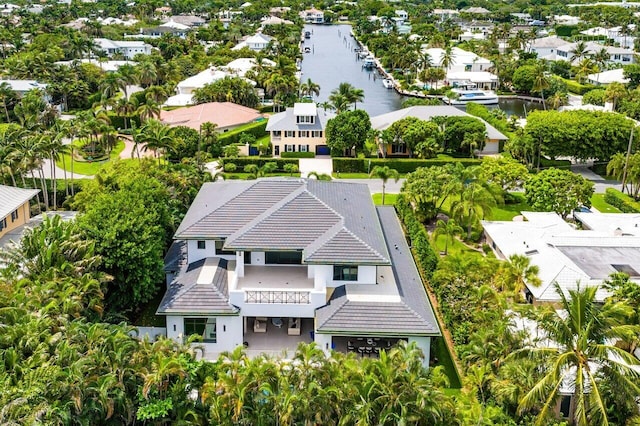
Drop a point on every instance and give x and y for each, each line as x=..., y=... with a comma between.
x=608, y=243
x=128, y=49
x=465, y=69
x=556, y=49
x=274, y=262
x=256, y=42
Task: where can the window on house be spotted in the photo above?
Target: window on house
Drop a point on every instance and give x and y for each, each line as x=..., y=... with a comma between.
x=303, y=148
x=467, y=67
x=247, y=258
x=283, y=258
x=277, y=133
x=3, y=223
x=14, y=215
x=290, y=148
x=399, y=148
x=220, y=248
x=289, y=133
x=303, y=134
x=316, y=133
x=626, y=59
x=565, y=406
x=345, y=273
x=202, y=245
x=616, y=57
x=305, y=119
x=205, y=327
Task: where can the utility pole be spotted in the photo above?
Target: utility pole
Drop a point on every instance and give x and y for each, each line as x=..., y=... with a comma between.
x=626, y=162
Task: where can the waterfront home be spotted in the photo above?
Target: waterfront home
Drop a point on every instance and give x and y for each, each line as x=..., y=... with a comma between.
x=299, y=129
x=127, y=49
x=14, y=207
x=191, y=21
x=617, y=55
x=274, y=20
x=427, y=112
x=256, y=42
x=607, y=77
x=608, y=243
x=273, y=262
x=225, y=115
x=466, y=68
x=312, y=16
x=107, y=66
x=172, y=28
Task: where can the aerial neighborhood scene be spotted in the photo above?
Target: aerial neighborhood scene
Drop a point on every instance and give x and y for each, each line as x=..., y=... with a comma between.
x=368, y=212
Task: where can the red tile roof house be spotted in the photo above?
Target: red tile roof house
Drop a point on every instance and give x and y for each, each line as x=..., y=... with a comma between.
x=226, y=115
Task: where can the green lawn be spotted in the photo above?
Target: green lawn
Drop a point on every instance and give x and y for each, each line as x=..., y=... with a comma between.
x=440, y=351
x=245, y=176
x=389, y=199
x=89, y=168
x=597, y=201
x=509, y=211
x=457, y=247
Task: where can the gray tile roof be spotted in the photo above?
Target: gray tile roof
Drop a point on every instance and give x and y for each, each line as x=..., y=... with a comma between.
x=11, y=198
x=287, y=121
x=329, y=221
x=413, y=315
x=196, y=291
x=176, y=256
x=427, y=112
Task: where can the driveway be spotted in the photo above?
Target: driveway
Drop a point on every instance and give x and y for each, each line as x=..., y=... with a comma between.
x=375, y=185
x=601, y=184
x=321, y=165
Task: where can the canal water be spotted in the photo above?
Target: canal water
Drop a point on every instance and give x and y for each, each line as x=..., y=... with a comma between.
x=332, y=60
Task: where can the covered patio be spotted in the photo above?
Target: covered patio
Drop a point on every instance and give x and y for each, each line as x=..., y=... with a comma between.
x=274, y=335
x=364, y=346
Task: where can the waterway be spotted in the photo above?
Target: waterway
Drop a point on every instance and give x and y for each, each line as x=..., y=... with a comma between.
x=332, y=60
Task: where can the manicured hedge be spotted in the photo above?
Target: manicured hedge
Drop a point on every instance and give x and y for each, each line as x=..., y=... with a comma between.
x=622, y=201
x=257, y=129
x=577, y=88
x=297, y=155
x=240, y=162
x=402, y=165
x=425, y=255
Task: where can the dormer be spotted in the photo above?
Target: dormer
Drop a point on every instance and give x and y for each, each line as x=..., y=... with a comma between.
x=305, y=113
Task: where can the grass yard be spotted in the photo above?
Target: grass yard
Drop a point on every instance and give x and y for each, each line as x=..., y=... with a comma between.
x=509, y=211
x=597, y=201
x=89, y=168
x=440, y=351
x=455, y=247
x=246, y=176
x=389, y=199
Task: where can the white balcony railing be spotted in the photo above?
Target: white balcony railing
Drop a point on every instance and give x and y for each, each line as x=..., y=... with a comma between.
x=275, y=296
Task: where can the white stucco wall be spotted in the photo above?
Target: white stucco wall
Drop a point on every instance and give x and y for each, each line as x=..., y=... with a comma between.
x=257, y=258
x=324, y=342
x=301, y=310
x=228, y=328
x=423, y=343
x=194, y=253
x=323, y=276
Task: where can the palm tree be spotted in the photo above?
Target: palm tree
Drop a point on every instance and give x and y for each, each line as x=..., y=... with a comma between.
x=350, y=93
x=339, y=102
x=614, y=92
x=517, y=273
x=319, y=176
x=111, y=85
x=558, y=99
x=579, y=51
x=586, y=67
x=149, y=110
x=578, y=348
x=540, y=82
x=157, y=137
x=475, y=203
x=601, y=58
x=449, y=229
x=384, y=173
x=448, y=58
x=309, y=88
x=6, y=94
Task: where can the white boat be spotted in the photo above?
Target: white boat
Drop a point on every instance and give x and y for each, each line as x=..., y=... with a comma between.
x=369, y=62
x=388, y=83
x=462, y=97
x=307, y=49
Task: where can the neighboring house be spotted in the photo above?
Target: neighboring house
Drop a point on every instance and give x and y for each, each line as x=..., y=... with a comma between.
x=14, y=207
x=545, y=46
x=566, y=20
x=617, y=55
x=427, y=112
x=608, y=77
x=608, y=243
x=22, y=87
x=240, y=66
x=312, y=16
x=274, y=262
x=445, y=14
x=299, y=129
x=226, y=115
x=476, y=11
x=108, y=66
x=275, y=20
x=256, y=42
x=466, y=69
x=190, y=21
x=173, y=28
x=128, y=49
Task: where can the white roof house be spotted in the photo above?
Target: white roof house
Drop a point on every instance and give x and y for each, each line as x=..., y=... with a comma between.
x=545, y=46
x=466, y=67
x=566, y=20
x=129, y=49
x=23, y=86
x=108, y=66
x=240, y=66
x=608, y=77
x=617, y=55
x=610, y=243
x=255, y=42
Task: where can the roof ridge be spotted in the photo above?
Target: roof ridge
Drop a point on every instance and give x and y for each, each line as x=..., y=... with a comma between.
x=264, y=215
x=336, y=310
x=367, y=244
x=330, y=233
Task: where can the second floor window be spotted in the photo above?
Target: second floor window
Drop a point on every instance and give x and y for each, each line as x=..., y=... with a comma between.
x=345, y=273
x=202, y=245
x=290, y=134
x=316, y=133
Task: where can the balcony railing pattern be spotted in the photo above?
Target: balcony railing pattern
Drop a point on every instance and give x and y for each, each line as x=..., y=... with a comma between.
x=285, y=297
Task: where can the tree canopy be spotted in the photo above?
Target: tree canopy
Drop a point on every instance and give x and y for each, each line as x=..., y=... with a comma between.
x=347, y=131
x=559, y=191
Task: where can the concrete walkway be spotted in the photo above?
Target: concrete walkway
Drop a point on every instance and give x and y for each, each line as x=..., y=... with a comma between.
x=375, y=185
x=601, y=184
x=321, y=165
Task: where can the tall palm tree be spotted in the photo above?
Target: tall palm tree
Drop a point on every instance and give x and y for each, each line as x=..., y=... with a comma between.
x=149, y=110
x=6, y=94
x=578, y=348
x=579, y=51
x=540, y=82
x=614, y=92
x=384, y=173
x=339, y=102
x=448, y=58
x=517, y=273
x=449, y=229
x=309, y=88
x=475, y=203
x=157, y=137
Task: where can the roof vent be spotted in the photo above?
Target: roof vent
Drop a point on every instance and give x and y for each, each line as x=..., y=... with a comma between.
x=531, y=252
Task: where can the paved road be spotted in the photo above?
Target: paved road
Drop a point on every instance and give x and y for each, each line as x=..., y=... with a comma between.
x=375, y=185
x=320, y=165
x=600, y=183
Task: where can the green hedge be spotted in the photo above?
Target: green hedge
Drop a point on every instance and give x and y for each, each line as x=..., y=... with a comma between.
x=577, y=88
x=256, y=129
x=241, y=162
x=425, y=255
x=297, y=155
x=622, y=201
x=402, y=165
